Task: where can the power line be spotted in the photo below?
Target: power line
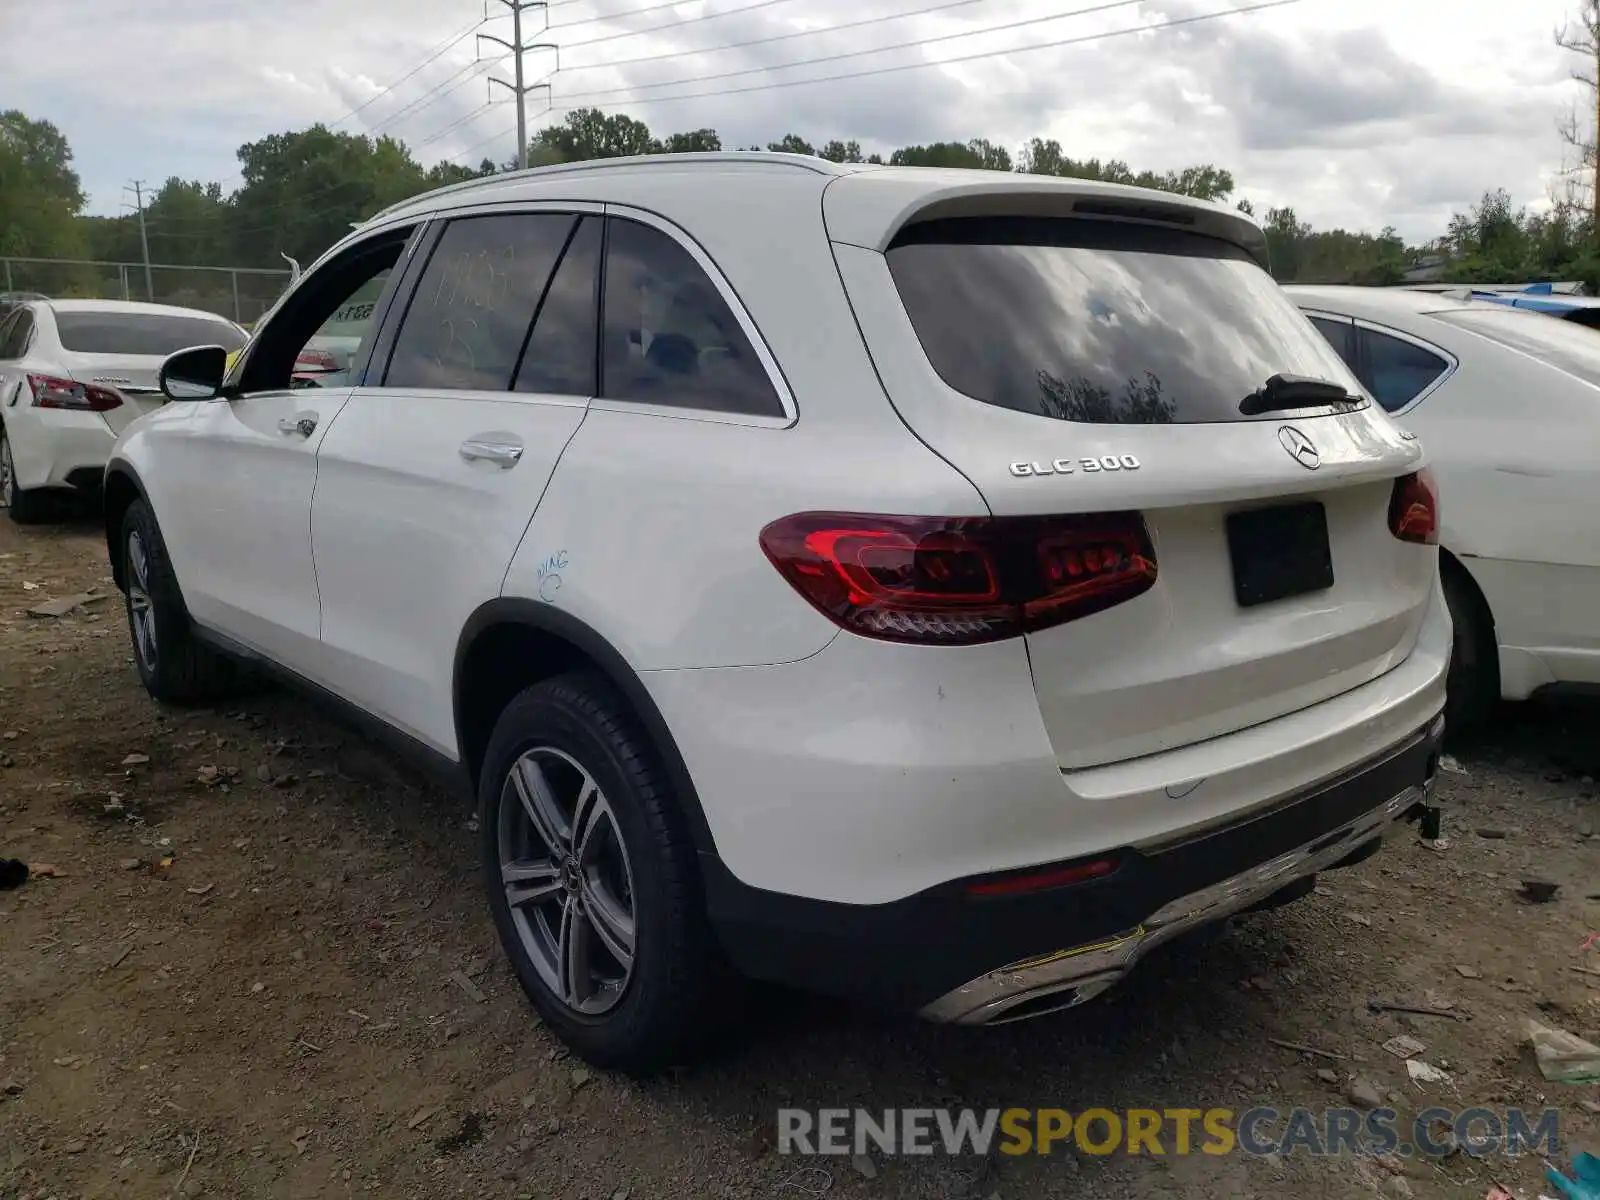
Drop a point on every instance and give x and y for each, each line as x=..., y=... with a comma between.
x=438, y=91
x=454, y=125
x=433, y=57
x=944, y=62
x=799, y=33
x=916, y=43
x=639, y=12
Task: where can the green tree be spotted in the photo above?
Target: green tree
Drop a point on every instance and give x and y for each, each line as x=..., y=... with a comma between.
x=979, y=153
x=842, y=152
x=695, y=141
x=40, y=193
x=304, y=190
x=792, y=143
x=587, y=133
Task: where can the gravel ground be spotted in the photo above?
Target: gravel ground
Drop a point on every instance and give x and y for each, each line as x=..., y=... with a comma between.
x=263, y=968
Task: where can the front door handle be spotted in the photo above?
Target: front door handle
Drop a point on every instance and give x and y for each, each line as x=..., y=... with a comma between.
x=503, y=452
x=305, y=424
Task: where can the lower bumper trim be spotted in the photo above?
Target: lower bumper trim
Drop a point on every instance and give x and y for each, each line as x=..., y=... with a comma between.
x=1072, y=976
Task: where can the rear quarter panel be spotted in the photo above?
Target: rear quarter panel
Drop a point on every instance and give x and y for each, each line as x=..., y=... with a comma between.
x=649, y=531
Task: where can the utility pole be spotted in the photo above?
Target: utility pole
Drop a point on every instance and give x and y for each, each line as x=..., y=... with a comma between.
x=518, y=48
x=137, y=187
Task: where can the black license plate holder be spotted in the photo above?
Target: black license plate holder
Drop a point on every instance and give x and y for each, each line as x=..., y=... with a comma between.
x=1279, y=552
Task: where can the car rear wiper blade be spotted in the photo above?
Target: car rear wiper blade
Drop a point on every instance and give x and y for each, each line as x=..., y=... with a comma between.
x=1285, y=393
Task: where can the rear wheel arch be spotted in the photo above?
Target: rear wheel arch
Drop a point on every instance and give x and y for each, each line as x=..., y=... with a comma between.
x=508, y=644
x=1475, y=654
x=1450, y=564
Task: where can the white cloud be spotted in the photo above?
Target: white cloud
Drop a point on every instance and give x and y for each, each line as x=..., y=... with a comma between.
x=1360, y=113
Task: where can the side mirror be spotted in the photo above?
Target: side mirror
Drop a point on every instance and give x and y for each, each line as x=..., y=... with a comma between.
x=195, y=373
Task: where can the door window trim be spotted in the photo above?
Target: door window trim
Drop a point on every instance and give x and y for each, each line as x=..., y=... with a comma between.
x=735, y=305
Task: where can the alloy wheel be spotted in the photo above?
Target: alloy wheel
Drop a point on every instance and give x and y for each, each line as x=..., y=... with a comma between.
x=568, y=880
x=141, y=610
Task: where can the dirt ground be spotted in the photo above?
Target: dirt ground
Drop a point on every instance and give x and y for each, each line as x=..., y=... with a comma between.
x=264, y=968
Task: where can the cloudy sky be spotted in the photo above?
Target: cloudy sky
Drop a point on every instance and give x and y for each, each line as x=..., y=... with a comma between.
x=1357, y=112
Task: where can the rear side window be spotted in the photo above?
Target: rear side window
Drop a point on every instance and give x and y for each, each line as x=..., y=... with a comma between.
x=669, y=336
x=1563, y=344
x=476, y=298
x=560, y=357
x=8, y=326
x=1339, y=337
x=1106, y=323
x=152, y=334
x=1397, y=370
x=18, y=336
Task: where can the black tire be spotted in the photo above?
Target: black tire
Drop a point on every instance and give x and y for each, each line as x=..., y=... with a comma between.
x=678, y=987
x=173, y=665
x=1473, y=685
x=25, y=507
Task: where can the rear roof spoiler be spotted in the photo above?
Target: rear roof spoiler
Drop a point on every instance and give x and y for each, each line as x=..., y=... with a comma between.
x=870, y=208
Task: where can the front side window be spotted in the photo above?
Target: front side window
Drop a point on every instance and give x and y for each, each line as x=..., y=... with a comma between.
x=329, y=355
x=1397, y=371
x=319, y=332
x=1101, y=322
x=476, y=300
x=151, y=335
x=669, y=336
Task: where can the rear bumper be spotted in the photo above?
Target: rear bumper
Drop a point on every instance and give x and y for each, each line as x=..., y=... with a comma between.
x=62, y=449
x=955, y=958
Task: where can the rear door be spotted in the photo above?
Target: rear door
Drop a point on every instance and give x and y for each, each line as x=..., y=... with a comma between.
x=429, y=478
x=1071, y=365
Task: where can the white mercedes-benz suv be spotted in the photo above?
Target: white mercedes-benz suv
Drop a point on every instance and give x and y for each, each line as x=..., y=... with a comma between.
x=932, y=587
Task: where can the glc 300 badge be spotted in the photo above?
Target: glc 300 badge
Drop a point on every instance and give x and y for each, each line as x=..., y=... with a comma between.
x=1074, y=466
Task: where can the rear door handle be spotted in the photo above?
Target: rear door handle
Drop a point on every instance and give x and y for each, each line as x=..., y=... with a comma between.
x=501, y=451
x=305, y=424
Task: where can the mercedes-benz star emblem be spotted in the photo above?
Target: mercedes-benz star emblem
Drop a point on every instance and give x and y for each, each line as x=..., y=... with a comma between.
x=1300, y=447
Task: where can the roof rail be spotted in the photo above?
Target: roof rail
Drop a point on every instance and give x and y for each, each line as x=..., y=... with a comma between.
x=804, y=162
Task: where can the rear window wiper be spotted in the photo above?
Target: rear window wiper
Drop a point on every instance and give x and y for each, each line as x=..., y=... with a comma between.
x=1285, y=393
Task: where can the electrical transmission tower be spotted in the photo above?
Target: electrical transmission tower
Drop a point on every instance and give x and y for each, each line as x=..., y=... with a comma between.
x=518, y=48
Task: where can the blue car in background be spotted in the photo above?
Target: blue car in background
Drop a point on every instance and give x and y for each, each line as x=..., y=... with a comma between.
x=1548, y=298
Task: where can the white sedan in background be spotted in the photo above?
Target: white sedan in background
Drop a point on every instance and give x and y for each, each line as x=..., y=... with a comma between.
x=1507, y=403
x=73, y=374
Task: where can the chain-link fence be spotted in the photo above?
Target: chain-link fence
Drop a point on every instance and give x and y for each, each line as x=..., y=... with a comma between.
x=241, y=294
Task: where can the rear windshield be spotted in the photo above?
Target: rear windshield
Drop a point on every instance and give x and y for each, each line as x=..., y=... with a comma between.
x=1564, y=344
x=153, y=334
x=1093, y=321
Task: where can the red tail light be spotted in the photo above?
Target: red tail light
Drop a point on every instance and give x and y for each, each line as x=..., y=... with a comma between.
x=1414, y=509
x=50, y=392
x=315, y=360
x=954, y=581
